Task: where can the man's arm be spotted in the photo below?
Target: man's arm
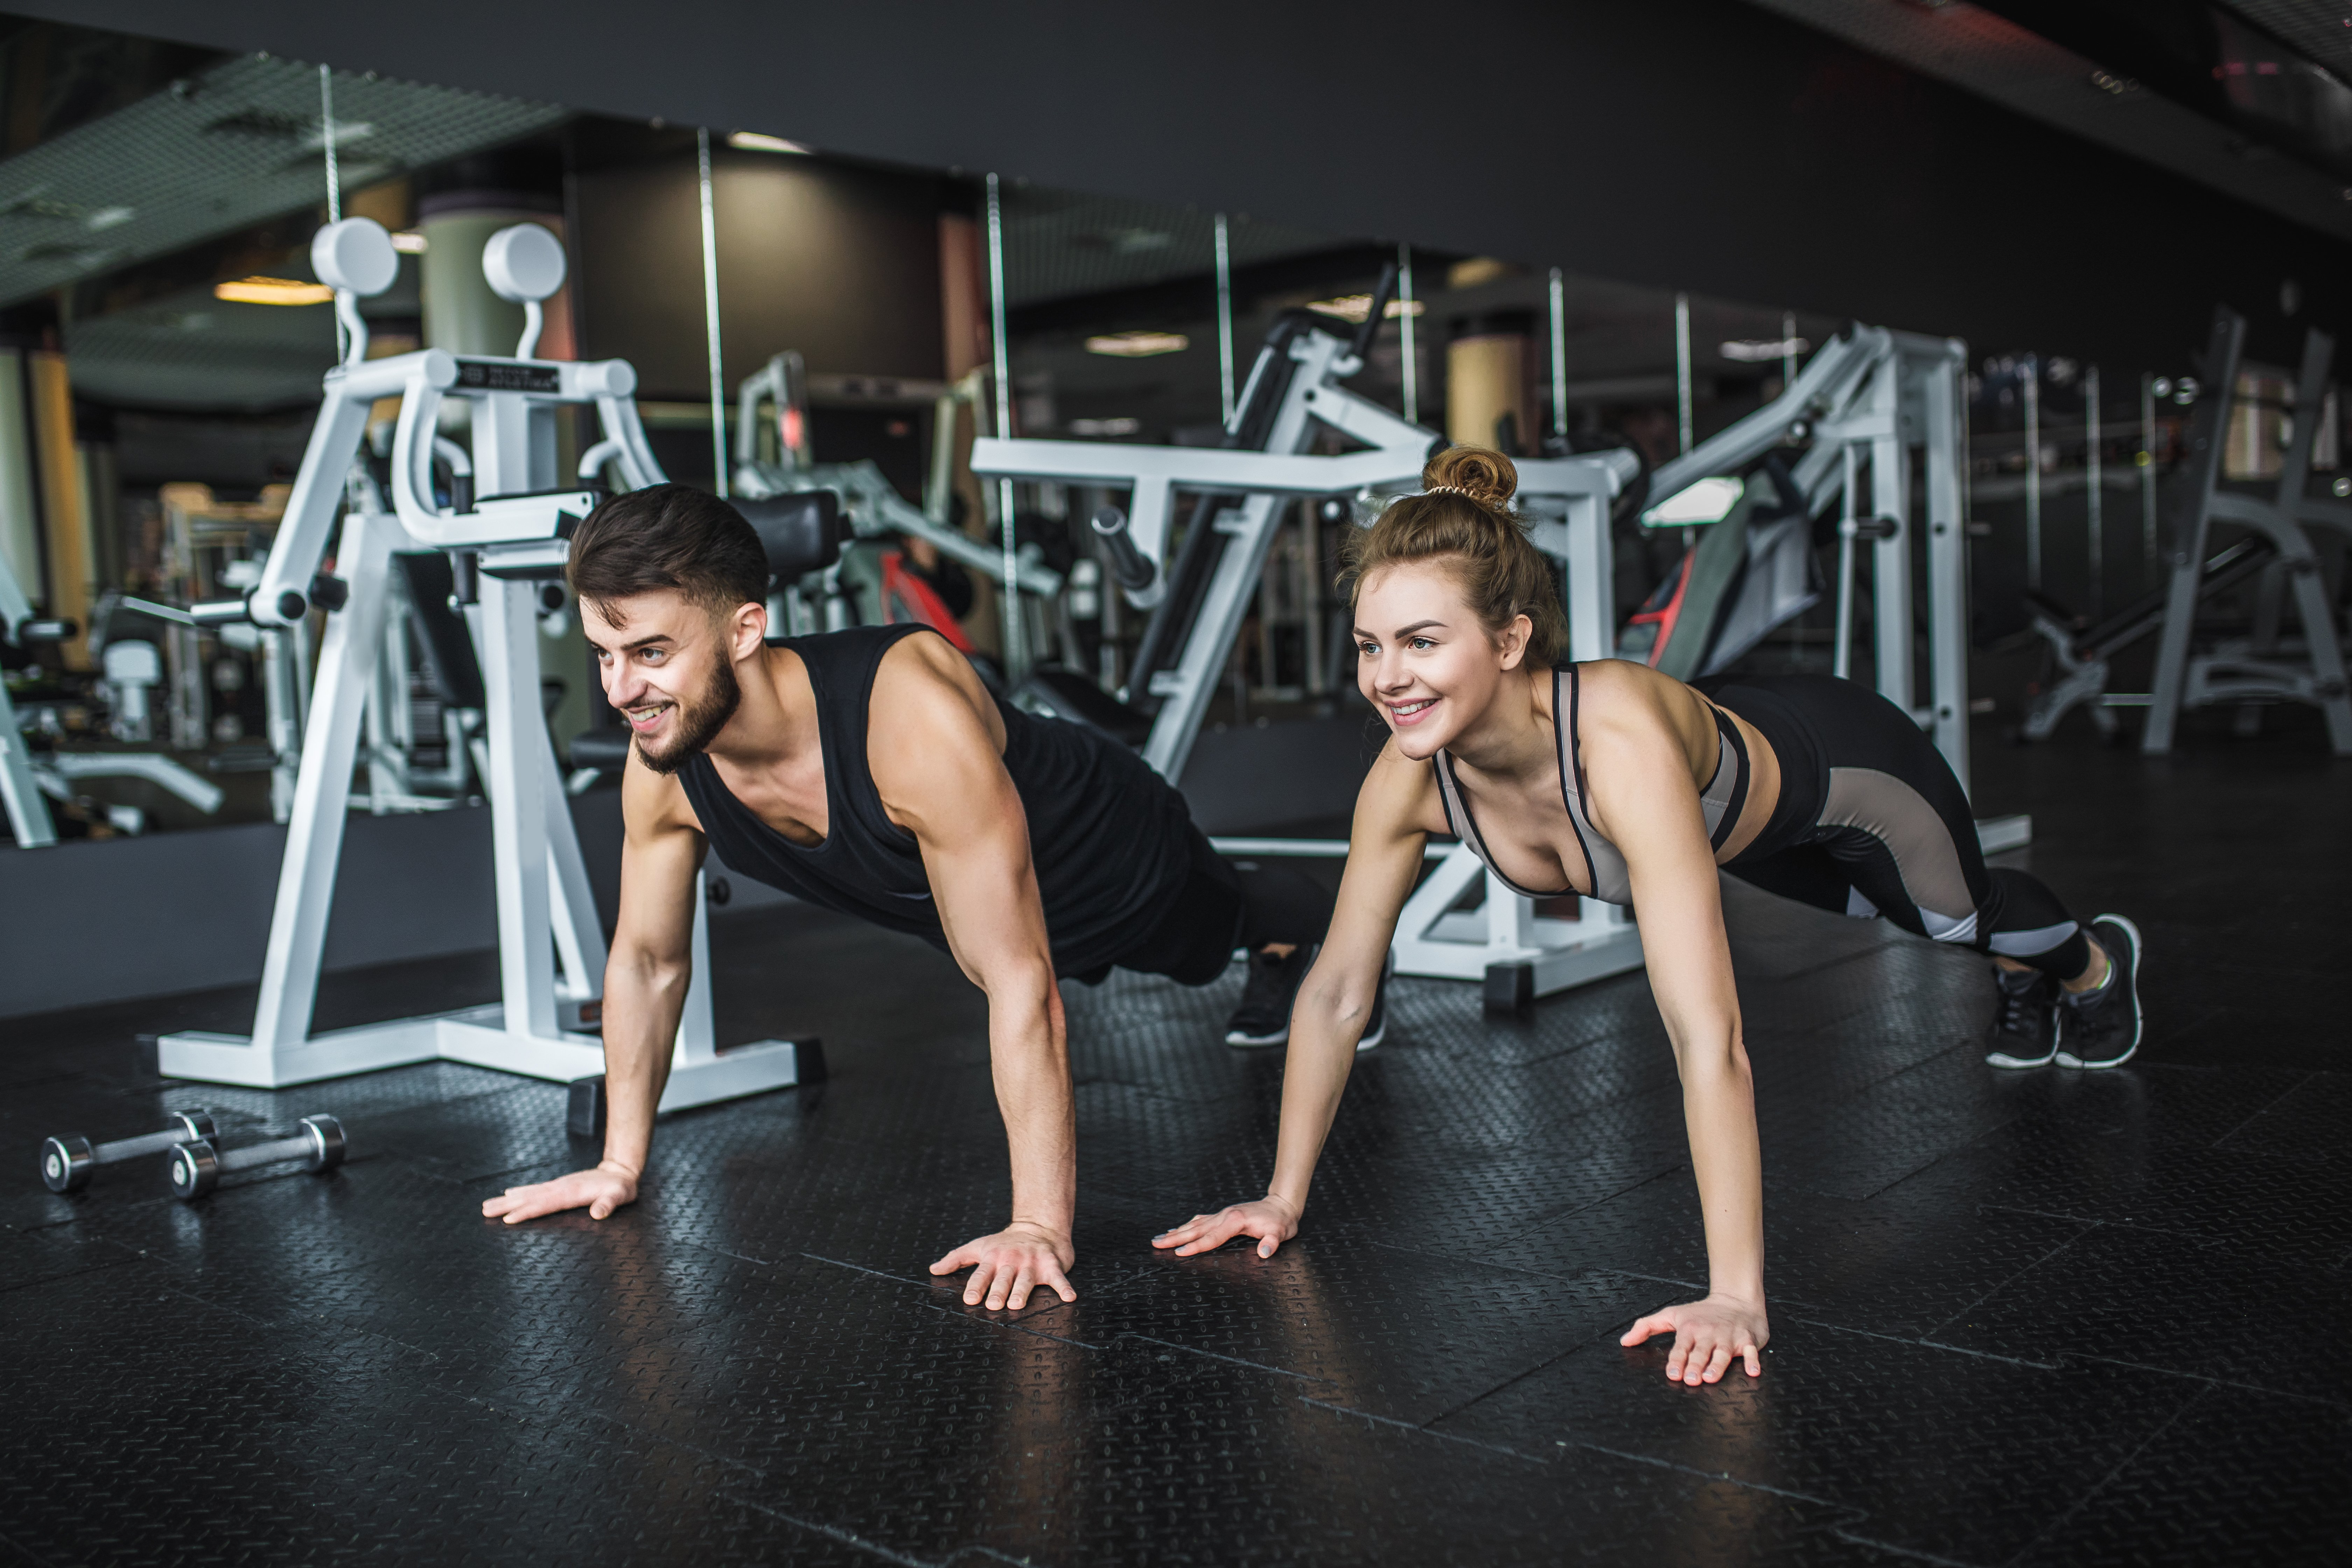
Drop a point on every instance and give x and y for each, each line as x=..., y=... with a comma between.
x=645, y=992
x=936, y=751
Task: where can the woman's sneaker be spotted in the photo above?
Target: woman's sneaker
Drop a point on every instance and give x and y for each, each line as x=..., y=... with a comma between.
x=2025, y=1028
x=2101, y=1028
x=1264, y=1016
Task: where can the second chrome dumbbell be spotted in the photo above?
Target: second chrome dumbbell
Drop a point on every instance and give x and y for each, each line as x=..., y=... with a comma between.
x=197, y=1167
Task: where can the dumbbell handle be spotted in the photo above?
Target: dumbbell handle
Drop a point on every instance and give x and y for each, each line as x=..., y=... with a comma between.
x=154, y=1143
x=296, y=1146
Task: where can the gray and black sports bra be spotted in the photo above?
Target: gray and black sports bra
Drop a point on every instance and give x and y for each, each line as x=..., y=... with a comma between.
x=1724, y=793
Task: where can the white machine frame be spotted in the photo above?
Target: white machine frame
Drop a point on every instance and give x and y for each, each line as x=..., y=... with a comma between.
x=515, y=536
x=25, y=775
x=1572, y=496
x=1867, y=398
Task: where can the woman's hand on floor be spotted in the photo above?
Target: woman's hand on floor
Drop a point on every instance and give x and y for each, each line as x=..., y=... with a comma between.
x=1710, y=1335
x=600, y=1191
x=1271, y=1220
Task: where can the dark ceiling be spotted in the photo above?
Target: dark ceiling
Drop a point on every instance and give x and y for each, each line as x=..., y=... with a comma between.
x=1708, y=144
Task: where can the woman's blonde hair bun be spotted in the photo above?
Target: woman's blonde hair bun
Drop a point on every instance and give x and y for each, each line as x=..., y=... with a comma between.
x=1482, y=475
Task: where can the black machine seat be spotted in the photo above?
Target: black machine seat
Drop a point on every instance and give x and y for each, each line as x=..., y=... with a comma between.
x=1068, y=695
x=604, y=748
x=803, y=532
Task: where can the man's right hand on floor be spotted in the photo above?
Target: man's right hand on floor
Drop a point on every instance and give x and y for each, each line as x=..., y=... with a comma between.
x=600, y=1191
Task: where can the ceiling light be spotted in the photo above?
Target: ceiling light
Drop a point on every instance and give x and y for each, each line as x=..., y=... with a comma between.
x=105, y=218
x=1356, y=307
x=409, y=242
x=1118, y=427
x=1761, y=351
x=1138, y=345
x=1708, y=501
x=761, y=142
x=272, y=291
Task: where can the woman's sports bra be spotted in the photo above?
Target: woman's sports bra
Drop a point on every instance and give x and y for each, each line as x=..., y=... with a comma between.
x=1720, y=801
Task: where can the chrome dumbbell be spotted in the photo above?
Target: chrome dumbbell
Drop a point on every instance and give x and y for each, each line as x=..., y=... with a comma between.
x=67, y=1163
x=197, y=1167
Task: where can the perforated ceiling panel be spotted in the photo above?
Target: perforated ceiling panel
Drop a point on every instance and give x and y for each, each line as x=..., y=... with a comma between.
x=237, y=144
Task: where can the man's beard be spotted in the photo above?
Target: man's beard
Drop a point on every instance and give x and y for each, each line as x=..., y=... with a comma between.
x=697, y=722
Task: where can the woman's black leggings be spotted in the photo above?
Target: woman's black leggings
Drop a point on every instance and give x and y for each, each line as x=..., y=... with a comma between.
x=1872, y=822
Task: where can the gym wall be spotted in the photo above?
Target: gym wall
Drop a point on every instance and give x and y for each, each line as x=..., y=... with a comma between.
x=841, y=264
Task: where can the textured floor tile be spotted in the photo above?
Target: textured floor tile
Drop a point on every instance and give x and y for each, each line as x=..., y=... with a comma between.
x=1891, y=1264
x=2242, y=1311
x=1962, y=1456
x=2237, y=1476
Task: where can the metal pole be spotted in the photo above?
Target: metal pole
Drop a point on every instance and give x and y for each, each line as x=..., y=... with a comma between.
x=2147, y=477
x=1225, y=325
x=1788, y=349
x=2098, y=529
x=1559, y=357
x=2032, y=472
x=334, y=182
x=710, y=313
x=1683, y=371
x=1002, y=354
x=1841, y=647
x=1404, y=336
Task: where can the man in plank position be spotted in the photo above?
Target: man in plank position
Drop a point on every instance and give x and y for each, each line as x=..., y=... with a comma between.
x=869, y=771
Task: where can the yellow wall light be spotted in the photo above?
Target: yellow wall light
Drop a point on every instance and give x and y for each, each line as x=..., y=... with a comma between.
x=273, y=291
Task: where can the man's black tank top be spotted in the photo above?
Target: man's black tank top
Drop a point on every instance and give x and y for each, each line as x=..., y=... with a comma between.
x=1111, y=839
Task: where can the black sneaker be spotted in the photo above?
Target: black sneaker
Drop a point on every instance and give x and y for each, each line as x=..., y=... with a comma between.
x=1264, y=1016
x=1376, y=1028
x=2102, y=1029
x=2025, y=1029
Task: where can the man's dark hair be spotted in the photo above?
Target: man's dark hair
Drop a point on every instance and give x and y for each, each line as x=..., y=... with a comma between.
x=669, y=536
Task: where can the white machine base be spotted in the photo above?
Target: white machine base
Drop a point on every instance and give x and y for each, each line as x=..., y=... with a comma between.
x=477, y=1036
x=1563, y=953
x=1995, y=834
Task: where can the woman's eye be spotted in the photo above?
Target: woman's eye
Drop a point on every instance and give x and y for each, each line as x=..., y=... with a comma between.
x=1422, y=642
x=1368, y=649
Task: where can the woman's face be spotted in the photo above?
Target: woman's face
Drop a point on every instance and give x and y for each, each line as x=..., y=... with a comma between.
x=1424, y=661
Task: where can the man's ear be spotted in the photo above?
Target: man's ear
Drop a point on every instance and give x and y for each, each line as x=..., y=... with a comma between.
x=1511, y=642
x=747, y=629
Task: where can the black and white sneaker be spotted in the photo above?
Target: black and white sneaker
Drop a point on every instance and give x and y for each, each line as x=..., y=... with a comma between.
x=2101, y=1028
x=2025, y=1028
x=1376, y=1028
x=1264, y=1016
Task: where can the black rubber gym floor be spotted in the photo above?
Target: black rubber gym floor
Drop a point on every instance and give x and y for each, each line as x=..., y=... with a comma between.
x=2039, y=1318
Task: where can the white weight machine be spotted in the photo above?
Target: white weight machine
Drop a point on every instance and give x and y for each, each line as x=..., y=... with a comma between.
x=1292, y=396
x=504, y=540
x=27, y=776
x=1865, y=401
x=873, y=505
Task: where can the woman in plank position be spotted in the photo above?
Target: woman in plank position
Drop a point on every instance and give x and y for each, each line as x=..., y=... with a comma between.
x=1615, y=781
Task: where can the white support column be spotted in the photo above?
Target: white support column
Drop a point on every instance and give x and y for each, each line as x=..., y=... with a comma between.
x=519, y=807
x=572, y=902
x=1947, y=562
x=1592, y=589
x=1890, y=498
x=1223, y=607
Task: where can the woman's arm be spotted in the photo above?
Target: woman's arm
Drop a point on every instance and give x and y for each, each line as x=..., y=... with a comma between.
x=1335, y=1002
x=1642, y=797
